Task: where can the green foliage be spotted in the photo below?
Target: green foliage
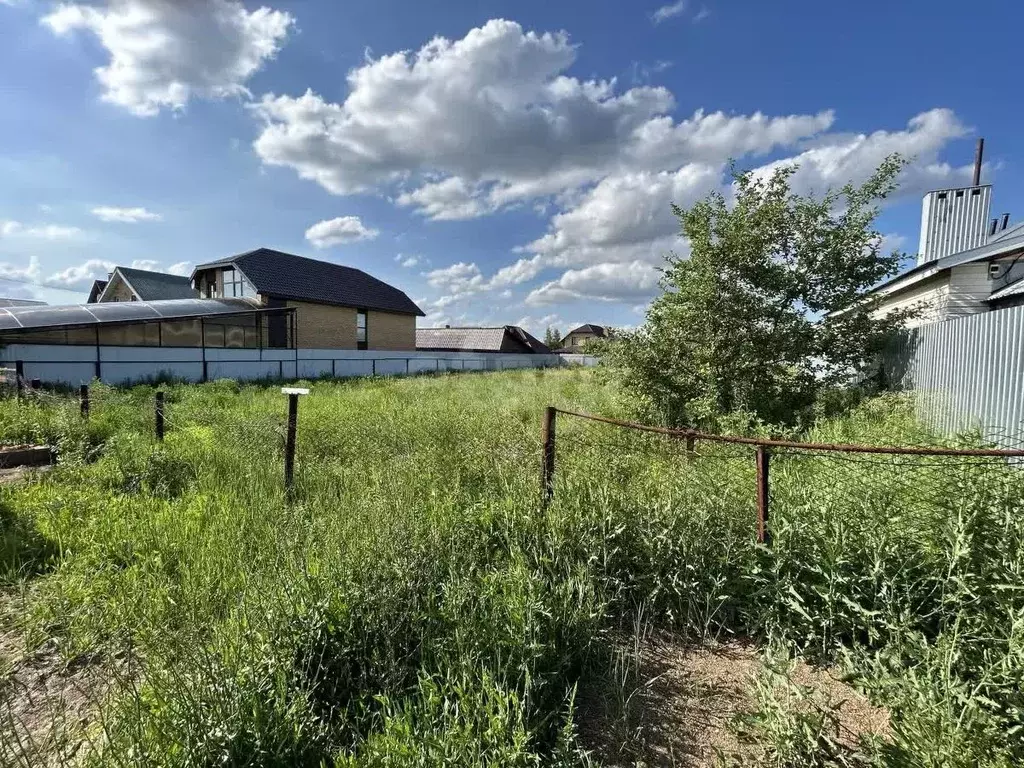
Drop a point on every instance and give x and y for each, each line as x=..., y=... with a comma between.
x=414, y=606
x=552, y=338
x=751, y=321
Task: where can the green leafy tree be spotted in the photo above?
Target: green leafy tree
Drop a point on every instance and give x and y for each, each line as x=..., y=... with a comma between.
x=770, y=309
x=552, y=338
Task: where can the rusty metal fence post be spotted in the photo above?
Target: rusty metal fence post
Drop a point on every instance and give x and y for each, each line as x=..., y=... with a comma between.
x=159, y=415
x=83, y=396
x=764, y=534
x=289, y=445
x=289, y=441
x=547, y=477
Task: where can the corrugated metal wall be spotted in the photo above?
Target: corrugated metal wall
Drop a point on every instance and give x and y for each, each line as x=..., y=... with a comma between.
x=967, y=373
x=953, y=220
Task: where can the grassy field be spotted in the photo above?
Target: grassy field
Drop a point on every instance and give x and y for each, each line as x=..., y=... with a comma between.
x=413, y=605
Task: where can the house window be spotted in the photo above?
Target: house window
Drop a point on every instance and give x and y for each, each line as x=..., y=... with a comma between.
x=208, y=285
x=236, y=286
x=361, y=329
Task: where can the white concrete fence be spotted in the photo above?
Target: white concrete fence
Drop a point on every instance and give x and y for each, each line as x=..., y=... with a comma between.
x=56, y=364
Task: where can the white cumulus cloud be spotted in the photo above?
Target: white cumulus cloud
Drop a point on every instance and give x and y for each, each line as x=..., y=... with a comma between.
x=165, y=52
x=339, y=231
x=14, y=229
x=410, y=260
x=666, y=12
x=182, y=268
x=631, y=283
x=77, y=277
x=837, y=159
x=124, y=215
x=492, y=119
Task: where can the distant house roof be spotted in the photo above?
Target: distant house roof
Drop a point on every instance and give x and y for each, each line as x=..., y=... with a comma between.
x=502, y=338
x=597, y=330
x=96, y=290
x=155, y=286
x=1013, y=289
x=287, y=276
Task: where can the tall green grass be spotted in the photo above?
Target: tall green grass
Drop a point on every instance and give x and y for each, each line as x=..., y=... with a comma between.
x=414, y=605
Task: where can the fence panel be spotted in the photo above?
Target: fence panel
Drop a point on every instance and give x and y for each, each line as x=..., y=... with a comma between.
x=757, y=479
x=967, y=374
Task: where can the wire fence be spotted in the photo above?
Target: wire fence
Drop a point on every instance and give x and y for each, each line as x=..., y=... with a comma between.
x=754, y=476
x=758, y=476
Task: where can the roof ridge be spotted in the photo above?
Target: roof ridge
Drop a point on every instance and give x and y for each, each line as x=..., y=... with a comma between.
x=148, y=272
x=466, y=327
x=299, y=256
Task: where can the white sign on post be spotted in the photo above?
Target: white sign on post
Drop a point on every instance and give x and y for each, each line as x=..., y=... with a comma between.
x=294, y=391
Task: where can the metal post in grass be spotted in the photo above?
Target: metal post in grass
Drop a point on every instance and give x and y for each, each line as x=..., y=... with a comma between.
x=289, y=445
x=159, y=415
x=764, y=534
x=36, y=384
x=83, y=396
x=547, y=480
x=19, y=376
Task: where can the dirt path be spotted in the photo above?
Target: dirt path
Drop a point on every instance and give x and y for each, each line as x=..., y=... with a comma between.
x=673, y=705
x=48, y=703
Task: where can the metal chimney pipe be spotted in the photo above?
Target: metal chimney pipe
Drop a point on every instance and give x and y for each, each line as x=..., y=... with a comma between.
x=1006, y=220
x=979, y=152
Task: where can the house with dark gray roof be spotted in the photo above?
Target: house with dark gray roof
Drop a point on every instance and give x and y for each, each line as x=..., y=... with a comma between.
x=502, y=338
x=336, y=307
x=577, y=337
x=130, y=284
x=96, y=290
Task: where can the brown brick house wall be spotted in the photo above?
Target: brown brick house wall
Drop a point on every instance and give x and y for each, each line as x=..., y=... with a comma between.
x=322, y=326
x=390, y=331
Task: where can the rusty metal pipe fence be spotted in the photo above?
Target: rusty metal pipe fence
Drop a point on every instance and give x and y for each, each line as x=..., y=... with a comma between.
x=857, y=470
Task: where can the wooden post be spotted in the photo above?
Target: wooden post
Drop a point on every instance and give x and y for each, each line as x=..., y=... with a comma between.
x=160, y=415
x=764, y=535
x=83, y=395
x=547, y=481
x=19, y=376
x=690, y=444
x=289, y=446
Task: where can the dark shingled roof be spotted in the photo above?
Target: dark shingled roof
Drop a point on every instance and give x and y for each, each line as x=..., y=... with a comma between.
x=287, y=276
x=158, y=286
x=503, y=338
x=597, y=330
x=96, y=290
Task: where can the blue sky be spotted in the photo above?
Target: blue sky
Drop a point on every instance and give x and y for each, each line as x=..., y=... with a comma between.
x=500, y=162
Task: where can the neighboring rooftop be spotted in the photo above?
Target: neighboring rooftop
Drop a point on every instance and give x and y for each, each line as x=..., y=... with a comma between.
x=96, y=290
x=1006, y=243
x=502, y=338
x=157, y=286
x=597, y=330
x=287, y=276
